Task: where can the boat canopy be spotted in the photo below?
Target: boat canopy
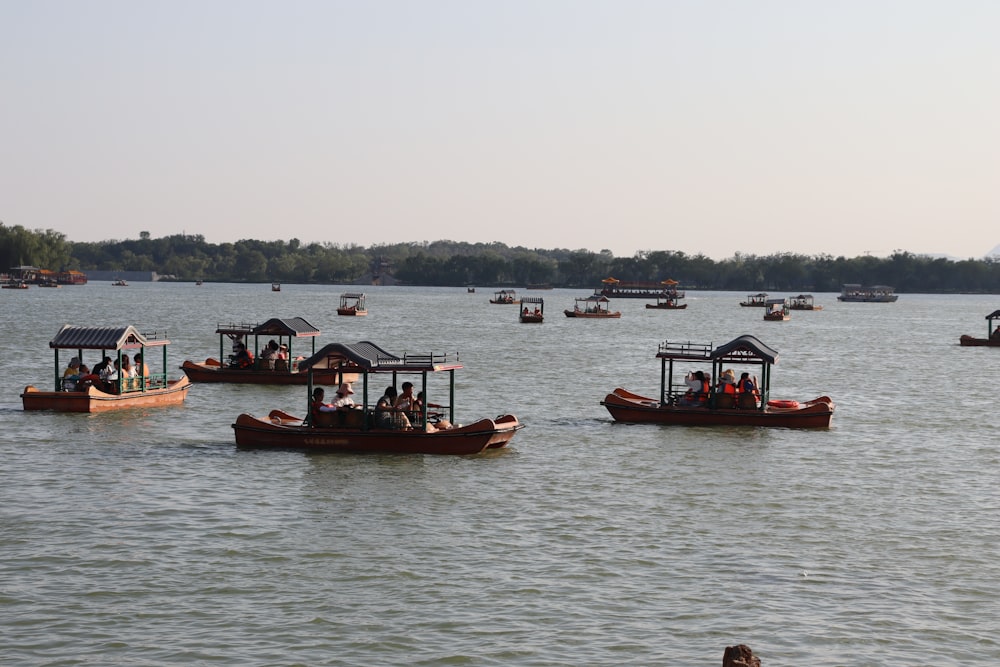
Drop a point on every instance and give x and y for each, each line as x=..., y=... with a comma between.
x=994, y=315
x=103, y=338
x=293, y=326
x=743, y=349
x=532, y=299
x=368, y=357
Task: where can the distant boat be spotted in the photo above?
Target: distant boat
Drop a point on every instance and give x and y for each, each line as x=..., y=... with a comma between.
x=867, y=293
x=275, y=287
x=121, y=282
x=352, y=303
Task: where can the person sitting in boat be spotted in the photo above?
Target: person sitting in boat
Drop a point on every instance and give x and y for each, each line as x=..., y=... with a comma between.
x=538, y=311
x=141, y=368
x=698, y=388
x=86, y=378
x=270, y=353
x=71, y=374
x=128, y=372
x=102, y=371
x=243, y=357
x=747, y=392
x=727, y=382
x=406, y=399
x=525, y=311
x=996, y=334
x=318, y=405
x=344, y=400
x=386, y=414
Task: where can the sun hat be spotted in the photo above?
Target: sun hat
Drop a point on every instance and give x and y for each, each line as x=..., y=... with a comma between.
x=345, y=389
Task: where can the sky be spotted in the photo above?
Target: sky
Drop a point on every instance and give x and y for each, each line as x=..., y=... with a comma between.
x=706, y=127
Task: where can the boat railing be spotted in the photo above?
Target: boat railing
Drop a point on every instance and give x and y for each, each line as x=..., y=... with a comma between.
x=685, y=350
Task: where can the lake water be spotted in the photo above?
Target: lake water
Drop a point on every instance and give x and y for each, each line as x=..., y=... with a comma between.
x=145, y=537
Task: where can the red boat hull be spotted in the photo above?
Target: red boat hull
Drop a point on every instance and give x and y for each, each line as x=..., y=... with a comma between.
x=282, y=431
x=971, y=341
x=214, y=373
x=625, y=406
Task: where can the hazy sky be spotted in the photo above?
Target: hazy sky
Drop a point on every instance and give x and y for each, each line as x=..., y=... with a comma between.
x=703, y=126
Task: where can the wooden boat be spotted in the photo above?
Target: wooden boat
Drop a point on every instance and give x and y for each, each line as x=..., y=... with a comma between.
x=470, y=289
x=802, y=302
x=352, y=303
x=82, y=394
x=755, y=300
x=669, y=298
x=718, y=408
x=505, y=296
x=533, y=310
x=275, y=286
x=121, y=282
x=992, y=334
x=776, y=310
x=867, y=293
x=357, y=430
x=594, y=306
x=15, y=284
x=262, y=371
x=620, y=289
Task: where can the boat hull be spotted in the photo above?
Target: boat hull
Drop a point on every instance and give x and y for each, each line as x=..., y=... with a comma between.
x=95, y=400
x=654, y=306
x=351, y=312
x=972, y=341
x=625, y=406
x=212, y=372
x=593, y=316
x=282, y=431
x=532, y=319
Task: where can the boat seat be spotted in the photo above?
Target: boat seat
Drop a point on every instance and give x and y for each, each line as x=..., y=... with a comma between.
x=281, y=365
x=746, y=401
x=726, y=401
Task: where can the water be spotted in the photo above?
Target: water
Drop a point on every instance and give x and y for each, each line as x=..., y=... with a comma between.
x=146, y=538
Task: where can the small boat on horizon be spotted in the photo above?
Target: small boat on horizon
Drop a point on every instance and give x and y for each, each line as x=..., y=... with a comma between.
x=854, y=293
x=352, y=304
x=595, y=306
x=534, y=315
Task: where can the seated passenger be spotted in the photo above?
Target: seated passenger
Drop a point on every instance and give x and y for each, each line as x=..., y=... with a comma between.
x=698, y=388
x=747, y=392
x=386, y=415
x=317, y=406
x=71, y=374
x=243, y=357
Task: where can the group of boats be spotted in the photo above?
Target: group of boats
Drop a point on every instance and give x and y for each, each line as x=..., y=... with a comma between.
x=731, y=386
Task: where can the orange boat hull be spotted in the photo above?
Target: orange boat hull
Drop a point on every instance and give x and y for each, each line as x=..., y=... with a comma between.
x=95, y=400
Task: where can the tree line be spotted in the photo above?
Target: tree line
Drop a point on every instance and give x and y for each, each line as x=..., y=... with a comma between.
x=186, y=257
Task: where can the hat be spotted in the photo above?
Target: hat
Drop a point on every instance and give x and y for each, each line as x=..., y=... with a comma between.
x=345, y=389
x=74, y=362
x=283, y=346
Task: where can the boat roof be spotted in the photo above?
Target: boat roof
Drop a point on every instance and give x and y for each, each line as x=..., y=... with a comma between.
x=803, y=296
x=369, y=357
x=293, y=326
x=743, y=348
x=774, y=301
x=352, y=295
x=532, y=299
x=994, y=315
x=103, y=338
x=593, y=297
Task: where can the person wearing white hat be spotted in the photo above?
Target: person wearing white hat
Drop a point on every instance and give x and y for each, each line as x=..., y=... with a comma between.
x=344, y=400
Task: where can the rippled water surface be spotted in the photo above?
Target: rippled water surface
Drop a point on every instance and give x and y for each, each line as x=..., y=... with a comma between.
x=145, y=537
